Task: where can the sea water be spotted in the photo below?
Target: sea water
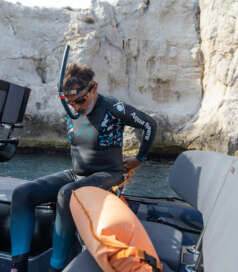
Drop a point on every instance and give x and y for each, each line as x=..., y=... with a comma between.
x=150, y=179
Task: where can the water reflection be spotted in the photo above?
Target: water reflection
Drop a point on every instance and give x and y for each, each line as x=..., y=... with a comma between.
x=151, y=179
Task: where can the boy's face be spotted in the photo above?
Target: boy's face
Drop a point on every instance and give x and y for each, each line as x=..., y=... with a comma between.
x=82, y=101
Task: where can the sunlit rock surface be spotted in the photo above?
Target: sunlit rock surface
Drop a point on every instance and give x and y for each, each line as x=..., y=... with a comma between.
x=215, y=127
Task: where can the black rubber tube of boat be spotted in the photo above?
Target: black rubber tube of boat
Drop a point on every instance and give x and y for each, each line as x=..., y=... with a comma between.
x=60, y=84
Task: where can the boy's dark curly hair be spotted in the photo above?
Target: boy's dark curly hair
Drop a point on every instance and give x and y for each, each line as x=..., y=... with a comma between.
x=80, y=75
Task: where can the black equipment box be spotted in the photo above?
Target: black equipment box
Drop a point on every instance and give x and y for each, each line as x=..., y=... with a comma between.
x=13, y=101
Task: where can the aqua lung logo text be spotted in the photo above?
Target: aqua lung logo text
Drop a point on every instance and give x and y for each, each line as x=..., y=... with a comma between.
x=137, y=119
x=146, y=125
x=148, y=131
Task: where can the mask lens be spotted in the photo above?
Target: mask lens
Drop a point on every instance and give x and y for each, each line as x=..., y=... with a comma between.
x=80, y=100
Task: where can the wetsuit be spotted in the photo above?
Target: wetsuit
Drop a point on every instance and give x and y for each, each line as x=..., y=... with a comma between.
x=96, y=150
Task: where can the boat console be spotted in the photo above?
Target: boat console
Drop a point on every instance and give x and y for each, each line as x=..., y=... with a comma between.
x=13, y=101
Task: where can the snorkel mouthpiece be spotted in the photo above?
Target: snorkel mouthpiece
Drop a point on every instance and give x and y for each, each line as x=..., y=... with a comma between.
x=60, y=84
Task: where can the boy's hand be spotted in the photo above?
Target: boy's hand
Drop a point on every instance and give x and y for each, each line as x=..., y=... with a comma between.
x=129, y=163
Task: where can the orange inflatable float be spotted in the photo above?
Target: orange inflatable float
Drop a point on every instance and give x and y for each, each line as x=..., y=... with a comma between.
x=112, y=233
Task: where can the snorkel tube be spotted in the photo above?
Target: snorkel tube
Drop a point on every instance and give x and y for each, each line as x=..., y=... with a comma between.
x=60, y=84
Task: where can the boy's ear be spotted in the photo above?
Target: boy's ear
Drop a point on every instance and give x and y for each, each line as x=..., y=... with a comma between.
x=95, y=88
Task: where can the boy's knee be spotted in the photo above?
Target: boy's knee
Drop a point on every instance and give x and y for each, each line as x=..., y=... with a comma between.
x=64, y=195
x=23, y=193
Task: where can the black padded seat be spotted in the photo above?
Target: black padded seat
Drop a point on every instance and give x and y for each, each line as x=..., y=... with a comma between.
x=167, y=242
x=85, y=262
x=44, y=223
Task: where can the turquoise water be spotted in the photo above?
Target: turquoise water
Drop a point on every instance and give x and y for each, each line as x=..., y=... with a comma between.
x=150, y=179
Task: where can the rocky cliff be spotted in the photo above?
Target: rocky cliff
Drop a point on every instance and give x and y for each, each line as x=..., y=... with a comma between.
x=176, y=60
x=215, y=126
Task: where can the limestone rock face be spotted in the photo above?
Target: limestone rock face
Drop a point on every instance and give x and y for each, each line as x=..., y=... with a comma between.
x=30, y=54
x=145, y=52
x=215, y=127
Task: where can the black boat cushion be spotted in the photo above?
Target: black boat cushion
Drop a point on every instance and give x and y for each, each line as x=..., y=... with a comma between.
x=198, y=176
x=86, y=263
x=167, y=242
x=44, y=215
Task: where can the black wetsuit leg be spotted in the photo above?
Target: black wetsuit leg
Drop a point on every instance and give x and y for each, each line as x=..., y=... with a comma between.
x=24, y=199
x=64, y=225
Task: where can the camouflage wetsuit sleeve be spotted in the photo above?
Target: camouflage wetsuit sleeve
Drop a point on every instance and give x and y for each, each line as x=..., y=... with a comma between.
x=130, y=116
